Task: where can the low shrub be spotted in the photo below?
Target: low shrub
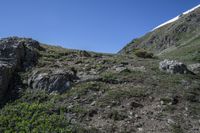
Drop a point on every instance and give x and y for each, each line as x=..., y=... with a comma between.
x=34, y=117
x=143, y=54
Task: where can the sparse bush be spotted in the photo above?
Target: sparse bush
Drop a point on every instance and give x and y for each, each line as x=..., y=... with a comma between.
x=143, y=54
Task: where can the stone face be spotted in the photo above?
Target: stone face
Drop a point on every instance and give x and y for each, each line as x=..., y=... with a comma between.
x=16, y=54
x=173, y=67
x=52, y=80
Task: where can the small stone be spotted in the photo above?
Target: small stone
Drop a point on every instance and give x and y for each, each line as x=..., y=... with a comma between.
x=137, y=116
x=131, y=113
x=140, y=129
x=70, y=106
x=108, y=106
x=170, y=121
x=93, y=103
x=76, y=97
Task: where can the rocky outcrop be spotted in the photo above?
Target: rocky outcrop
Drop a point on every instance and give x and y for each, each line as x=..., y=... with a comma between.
x=52, y=80
x=16, y=54
x=20, y=51
x=173, y=67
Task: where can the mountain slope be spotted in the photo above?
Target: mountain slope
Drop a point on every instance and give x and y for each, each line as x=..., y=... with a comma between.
x=82, y=92
x=170, y=35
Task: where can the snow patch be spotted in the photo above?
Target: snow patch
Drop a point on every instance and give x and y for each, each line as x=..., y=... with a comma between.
x=176, y=18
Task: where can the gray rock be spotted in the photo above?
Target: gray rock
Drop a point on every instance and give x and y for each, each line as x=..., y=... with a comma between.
x=52, y=80
x=173, y=67
x=195, y=68
x=120, y=69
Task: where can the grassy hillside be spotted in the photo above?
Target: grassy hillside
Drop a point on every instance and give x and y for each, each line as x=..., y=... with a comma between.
x=171, y=36
x=189, y=51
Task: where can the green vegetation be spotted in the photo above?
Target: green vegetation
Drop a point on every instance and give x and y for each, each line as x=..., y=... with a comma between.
x=119, y=94
x=187, y=52
x=32, y=117
x=176, y=129
x=143, y=53
x=37, y=111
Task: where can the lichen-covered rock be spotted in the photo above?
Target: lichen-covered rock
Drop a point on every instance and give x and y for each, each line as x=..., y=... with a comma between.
x=52, y=80
x=195, y=68
x=173, y=67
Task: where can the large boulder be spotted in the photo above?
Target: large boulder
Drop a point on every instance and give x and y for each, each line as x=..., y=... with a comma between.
x=195, y=68
x=173, y=67
x=16, y=54
x=52, y=80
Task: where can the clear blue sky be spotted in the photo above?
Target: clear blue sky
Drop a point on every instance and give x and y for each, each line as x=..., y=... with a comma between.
x=97, y=25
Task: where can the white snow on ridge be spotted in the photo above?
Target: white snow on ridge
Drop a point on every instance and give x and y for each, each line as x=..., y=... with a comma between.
x=176, y=18
x=191, y=9
x=170, y=21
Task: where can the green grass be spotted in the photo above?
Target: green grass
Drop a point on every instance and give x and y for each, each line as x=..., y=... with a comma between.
x=119, y=94
x=176, y=128
x=186, y=52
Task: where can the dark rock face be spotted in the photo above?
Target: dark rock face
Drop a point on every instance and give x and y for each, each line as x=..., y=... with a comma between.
x=6, y=71
x=52, y=80
x=16, y=54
